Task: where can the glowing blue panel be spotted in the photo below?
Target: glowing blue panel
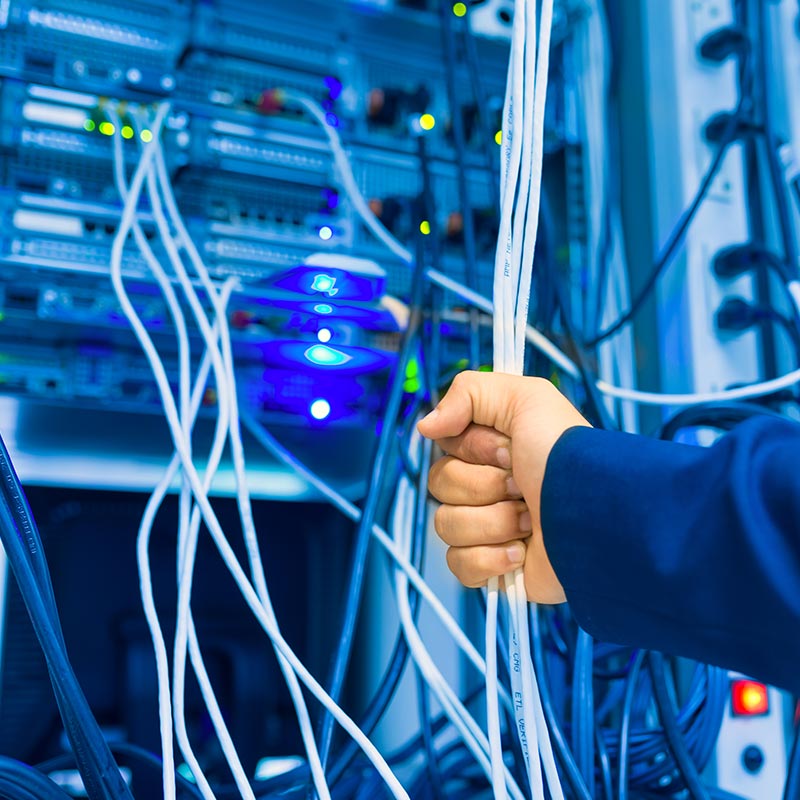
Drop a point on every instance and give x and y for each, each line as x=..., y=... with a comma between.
x=325, y=356
x=352, y=286
x=316, y=358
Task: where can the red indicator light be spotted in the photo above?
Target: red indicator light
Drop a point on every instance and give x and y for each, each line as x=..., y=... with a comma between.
x=749, y=698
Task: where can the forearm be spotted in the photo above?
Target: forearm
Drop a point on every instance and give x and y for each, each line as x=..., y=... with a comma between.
x=687, y=550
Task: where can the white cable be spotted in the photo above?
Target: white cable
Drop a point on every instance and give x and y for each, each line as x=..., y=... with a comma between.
x=565, y=363
x=266, y=440
x=163, y=677
x=532, y=220
x=184, y=617
x=492, y=706
x=148, y=600
x=229, y=557
x=158, y=180
x=188, y=543
x=462, y=720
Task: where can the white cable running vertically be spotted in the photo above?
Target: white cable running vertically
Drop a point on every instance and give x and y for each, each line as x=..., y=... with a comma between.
x=520, y=199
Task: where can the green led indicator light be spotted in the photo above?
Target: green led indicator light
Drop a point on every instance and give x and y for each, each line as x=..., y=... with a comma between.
x=106, y=128
x=89, y=125
x=127, y=132
x=146, y=136
x=425, y=227
x=460, y=9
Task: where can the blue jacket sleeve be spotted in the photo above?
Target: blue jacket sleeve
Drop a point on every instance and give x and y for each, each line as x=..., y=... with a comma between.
x=688, y=550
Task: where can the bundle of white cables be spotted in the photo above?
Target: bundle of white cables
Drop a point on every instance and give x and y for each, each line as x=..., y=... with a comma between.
x=520, y=186
x=195, y=504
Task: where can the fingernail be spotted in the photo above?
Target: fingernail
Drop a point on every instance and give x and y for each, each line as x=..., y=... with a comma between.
x=503, y=457
x=512, y=488
x=525, y=524
x=515, y=553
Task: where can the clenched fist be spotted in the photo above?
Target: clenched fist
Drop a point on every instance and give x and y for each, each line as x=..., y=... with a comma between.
x=497, y=431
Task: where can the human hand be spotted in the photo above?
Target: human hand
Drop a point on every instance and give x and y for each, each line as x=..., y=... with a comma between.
x=498, y=431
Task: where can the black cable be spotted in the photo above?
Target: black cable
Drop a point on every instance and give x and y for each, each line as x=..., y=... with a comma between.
x=387, y=686
x=420, y=530
x=431, y=756
x=723, y=416
x=605, y=763
x=100, y=774
x=598, y=413
x=11, y=489
x=20, y=781
x=678, y=233
x=128, y=753
x=378, y=470
x=562, y=751
x=780, y=187
x=625, y=726
x=364, y=533
x=666, y=711
x=470, y=252
x=488, y=144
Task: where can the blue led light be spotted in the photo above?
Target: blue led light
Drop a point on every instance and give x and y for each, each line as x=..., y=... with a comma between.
x=324, y=283
x=323, y=308
x=334, y=86
x=331, y=197
x=316, y=359
x=320, y=409
x=332, y=119
x=325, y=356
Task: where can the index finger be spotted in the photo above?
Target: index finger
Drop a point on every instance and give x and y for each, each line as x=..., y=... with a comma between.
x=479, y=445
x=480, y=397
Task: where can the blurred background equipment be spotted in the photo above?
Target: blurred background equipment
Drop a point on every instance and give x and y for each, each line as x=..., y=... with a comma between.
x=244, y=246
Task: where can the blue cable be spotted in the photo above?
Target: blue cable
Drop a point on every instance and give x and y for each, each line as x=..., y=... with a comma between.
x=672, y=732
x=19, y=781
x=583, y=708
x=380, y=464
x=573, y=774
x=625, y=725
x=100, y=773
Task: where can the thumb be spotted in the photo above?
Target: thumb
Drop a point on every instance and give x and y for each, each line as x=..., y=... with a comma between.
x=480, y=397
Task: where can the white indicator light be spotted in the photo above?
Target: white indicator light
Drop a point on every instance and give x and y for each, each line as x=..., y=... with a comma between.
x=324, y=283
x=320, y=409
x=324, y=335
x=325, y=233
